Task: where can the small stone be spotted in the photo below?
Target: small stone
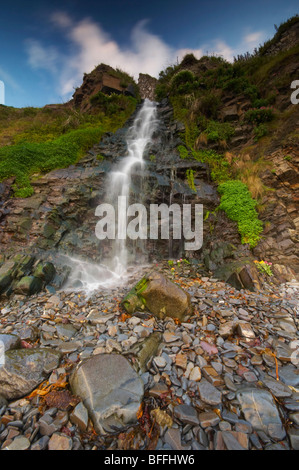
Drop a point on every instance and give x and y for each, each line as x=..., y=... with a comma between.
x=158, y=389
x=278, y=388
x=195, y=374
x=69, y=347
x=211, y=375
x=244, y=329
x=226, y=329
x=79, y=416
x=112, y=330
x=250, y=376
x=19, y=443
x=181, y=360
x=112, y=345
x=160, y=361
x=208, y=418
x=133, y=321
x=54, y=300
x=65, y=332
x=60, y=441
x=225, y=426
x=10, y=341
x=186, y=414
x=235, y=440
x=293, y=434
x=256, y=360
x=208, y=393
x=170, y=337
x=46, y=425
x=189, y=368
x=258, y=408
x=295, y=418
x=276, y=431
x=209, y=348
x=172, y=437
x=41, y=444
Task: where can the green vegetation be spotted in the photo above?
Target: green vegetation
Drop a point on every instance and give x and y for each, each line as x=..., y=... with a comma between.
x=196, y=89
x=259, y=115
x=240, y=207
x=264, y=267
x=219, y=131
x=23, y=160
x=190, y=179
x=283, y=27
x=260, y=131
x=41, y=140
x=183, y=152
x=112, y=104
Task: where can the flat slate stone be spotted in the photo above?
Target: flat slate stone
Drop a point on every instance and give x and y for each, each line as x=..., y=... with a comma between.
x=208, y=393
x=186, y=414
x=259, y=408
x=25, y=369
x=110, y=389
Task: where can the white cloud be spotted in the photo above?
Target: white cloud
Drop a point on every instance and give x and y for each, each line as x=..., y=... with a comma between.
x=220, y=48
x=9, y=80
x=90, y=45
x=40, y=57
x=253, y=39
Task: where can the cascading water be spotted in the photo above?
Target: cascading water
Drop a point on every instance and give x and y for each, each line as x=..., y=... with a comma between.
x=89, y=276
x=138, y=138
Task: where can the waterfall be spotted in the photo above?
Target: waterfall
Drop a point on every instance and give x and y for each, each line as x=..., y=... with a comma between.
x=89, y=276
x=139, y=136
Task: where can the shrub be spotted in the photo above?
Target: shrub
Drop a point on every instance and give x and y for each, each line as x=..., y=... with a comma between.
x=188, y=59
x=259, y=115
x=190, y=179
x=260, y=131
x=209, y=105
x=111, y=104
x=240, y=207
x=220, y=168
x=182, y=82
x=216, y=131
x=260, y=103
x=183, y=152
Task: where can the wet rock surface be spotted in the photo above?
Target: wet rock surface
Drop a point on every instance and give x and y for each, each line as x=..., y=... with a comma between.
x=224, y=378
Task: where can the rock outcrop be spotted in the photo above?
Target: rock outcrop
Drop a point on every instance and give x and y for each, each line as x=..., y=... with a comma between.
x=147, y=86
x=160, y=296
x=102, y=79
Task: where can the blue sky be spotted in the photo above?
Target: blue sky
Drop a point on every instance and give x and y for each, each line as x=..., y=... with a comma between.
x=47, y=46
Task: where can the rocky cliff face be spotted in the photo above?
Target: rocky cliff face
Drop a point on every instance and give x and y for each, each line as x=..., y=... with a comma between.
x=147, y=86
x=102, y=79
x=60, y=217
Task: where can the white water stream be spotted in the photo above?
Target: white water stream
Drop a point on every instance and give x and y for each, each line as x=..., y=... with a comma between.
x=89, y=276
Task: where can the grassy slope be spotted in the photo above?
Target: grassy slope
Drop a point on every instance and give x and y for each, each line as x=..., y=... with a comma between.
x=197, y=89
x=35, y=140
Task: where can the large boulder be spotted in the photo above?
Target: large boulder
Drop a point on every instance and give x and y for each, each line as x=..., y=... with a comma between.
x=28, y=285
x=259, y=409
x=10, y=341
x=24, y=369
x=241, y=274
x=45, y=271
x=110, y=389
x=160, y=296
